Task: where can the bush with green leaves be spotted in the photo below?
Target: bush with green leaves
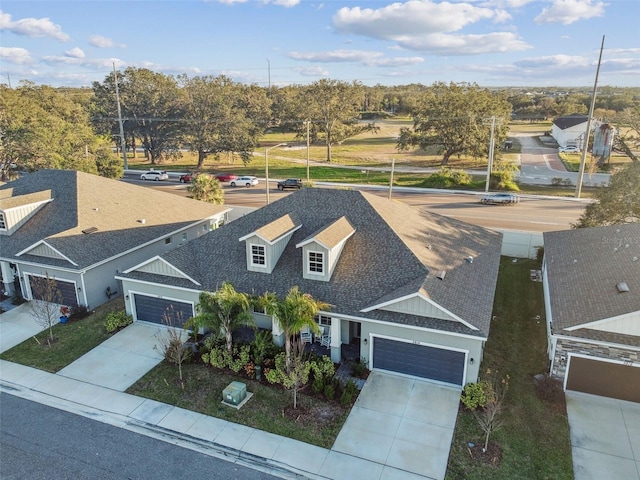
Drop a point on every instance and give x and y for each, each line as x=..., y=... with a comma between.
x=219, y=357
x=448, y=177
x=474, y=395
x=349, y=393
x=117, y=320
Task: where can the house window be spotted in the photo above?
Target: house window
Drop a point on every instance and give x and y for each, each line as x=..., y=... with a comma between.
x=205, y=228
x=323, y=320
x=184, y=237
x=167, y=240
x=3, y=223
x=316, y=262
x=258, y=255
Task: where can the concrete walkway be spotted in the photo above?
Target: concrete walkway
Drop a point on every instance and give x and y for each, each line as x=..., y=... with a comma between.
x=413, y=421
x=605, y=437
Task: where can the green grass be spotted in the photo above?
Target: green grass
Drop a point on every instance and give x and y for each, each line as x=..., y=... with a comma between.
x=535, y=438
x=72, y=340
x=316, y=421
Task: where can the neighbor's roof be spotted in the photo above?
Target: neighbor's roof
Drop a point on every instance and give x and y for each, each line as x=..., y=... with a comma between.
x=584, y=267
x=81, y=201
x=570, y=121
x=396, y=250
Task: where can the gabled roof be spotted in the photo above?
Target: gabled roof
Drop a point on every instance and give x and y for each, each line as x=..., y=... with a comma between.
x=584, y=267
x=570, y=121
x=395, y=248
x=90, y=218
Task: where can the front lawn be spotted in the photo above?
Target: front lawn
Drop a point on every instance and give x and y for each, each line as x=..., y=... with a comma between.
x=71, y=340
x=534, y=439
x=316, y=420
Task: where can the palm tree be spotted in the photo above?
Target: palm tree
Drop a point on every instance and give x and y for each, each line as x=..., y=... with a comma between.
x=296, y=311
x=223, y=310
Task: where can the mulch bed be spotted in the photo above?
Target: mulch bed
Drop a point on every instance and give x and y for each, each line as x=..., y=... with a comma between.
x=492, y=457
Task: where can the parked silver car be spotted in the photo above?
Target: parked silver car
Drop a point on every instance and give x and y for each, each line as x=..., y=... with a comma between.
x=154, y=175
x=246, y=181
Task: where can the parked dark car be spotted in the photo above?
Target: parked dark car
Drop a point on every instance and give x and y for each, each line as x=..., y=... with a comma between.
x=290, y=183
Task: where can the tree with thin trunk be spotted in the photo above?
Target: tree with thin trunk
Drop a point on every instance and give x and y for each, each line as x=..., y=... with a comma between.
x=223, y=311
x=171, y=342
x=46, y=302
x=296, y=311
x=488, y=416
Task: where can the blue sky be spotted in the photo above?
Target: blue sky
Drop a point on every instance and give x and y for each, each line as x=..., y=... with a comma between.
x=283, y=42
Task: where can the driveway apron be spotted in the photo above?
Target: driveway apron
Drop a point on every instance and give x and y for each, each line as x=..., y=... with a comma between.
x=120, y=361
x=403, y=424
x=605, y=437
x=16, y=325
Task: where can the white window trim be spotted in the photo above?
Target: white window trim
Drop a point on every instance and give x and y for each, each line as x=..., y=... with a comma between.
x=3, y=221
x=264, y=255
x=322, y=263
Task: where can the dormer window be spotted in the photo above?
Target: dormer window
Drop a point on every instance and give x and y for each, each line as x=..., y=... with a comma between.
x=316, y=262
x=3, y=223
x=258, y=255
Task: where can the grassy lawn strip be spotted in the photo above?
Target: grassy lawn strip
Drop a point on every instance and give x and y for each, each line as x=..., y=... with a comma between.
x=535, y=438
x=316, y=421
x=72, y=340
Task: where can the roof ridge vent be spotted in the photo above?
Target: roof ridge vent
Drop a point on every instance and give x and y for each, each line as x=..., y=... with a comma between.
x=622, y=287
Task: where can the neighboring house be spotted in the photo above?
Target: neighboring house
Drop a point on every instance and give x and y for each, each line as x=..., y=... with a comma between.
x=82, y=229
x=412, y=290
x=570, y=130
x=592, y=298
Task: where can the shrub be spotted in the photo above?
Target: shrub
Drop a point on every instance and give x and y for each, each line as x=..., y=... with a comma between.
x=448, y=177
x=349, y=393
x=318, y=385
x=79, y=312
x=329, y=392
x=358, y=368
x=117, y=320
x=474, y=395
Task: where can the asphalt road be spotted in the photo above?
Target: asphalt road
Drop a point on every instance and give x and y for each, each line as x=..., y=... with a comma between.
x=41, y=442
x=535, y=214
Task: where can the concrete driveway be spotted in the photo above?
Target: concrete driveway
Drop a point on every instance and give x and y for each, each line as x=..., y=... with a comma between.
x=120, y=361
x=16, y=325
x=605, y=437
x=403, y=424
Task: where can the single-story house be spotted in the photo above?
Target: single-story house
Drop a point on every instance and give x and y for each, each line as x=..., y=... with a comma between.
x=412, y=290
x=591, y=279
x=570, y=130
x=82, y=229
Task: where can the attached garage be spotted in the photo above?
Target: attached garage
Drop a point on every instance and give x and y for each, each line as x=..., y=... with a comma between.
x=604, y=378
x=67, y=290
x=418, y=360
x=155, y=309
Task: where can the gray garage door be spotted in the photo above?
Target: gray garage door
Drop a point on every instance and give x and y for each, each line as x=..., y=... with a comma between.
x=419, y=360
x=156, y=310
x=604, y=378
x=67, y=291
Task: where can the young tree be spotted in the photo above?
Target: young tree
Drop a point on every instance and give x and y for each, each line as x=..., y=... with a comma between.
x=294, y=376
x=207, y=189
x=223, y=310
x=454, y=118
x=616, y=204
x=45, y=304
x=171, y=342
x=294, y=312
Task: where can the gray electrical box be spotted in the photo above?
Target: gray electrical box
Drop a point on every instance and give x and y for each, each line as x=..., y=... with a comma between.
x=235, y=393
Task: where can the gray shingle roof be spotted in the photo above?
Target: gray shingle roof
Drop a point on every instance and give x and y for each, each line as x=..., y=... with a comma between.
x=570, y=121
x=395, y=248
x=81, y=201
x=583, y=268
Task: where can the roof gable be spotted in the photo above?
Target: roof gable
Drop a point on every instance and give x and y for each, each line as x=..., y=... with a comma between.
x=569, y=121
x=159, y=266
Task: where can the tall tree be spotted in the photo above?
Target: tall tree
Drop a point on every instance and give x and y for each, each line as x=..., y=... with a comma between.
x=292, y=313
x=223, y=116
x=628, y=140
x=616, y=204
x=455, y=119
x=333, y=108
x=152, y=109
x=42, y=127
x=223, y=310
x=45, y=303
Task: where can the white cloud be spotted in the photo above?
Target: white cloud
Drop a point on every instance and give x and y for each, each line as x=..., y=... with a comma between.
x=100, y=41
x=371, y=59
x=445, y=44
x=312, y=71
x=32, y=27
x=570, y=11
x=15, y=55
x=75, y=53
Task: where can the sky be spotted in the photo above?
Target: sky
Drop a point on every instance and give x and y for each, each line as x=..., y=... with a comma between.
x=493, y=43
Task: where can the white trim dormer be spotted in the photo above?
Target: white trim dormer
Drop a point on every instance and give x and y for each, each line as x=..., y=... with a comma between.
x=265, y=245
x=321, y=251
x=15, y=211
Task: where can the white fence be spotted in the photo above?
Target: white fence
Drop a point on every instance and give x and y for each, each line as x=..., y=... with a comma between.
x=521, y=244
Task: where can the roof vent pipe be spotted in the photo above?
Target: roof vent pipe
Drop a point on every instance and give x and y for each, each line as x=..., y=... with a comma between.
x=622, y=287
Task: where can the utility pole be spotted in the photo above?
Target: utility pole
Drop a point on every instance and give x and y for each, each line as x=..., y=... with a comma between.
x=491, y=148
x=269, y=74
x=123, y=145
x=583, y=158
x=308, y=124
x=393, y=166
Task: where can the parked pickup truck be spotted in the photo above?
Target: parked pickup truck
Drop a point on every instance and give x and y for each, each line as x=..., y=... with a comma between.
x=290, y=183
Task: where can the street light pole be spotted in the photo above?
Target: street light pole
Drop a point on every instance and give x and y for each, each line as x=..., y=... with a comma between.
x=266, y=166
x=123, y=145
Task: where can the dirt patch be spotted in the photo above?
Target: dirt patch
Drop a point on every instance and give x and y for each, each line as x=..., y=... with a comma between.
x=549, y=390
x=319, y=415
x=491, y=457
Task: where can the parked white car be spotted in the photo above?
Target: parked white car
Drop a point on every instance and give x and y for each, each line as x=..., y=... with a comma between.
x=154, y=175
x=246, y=181
x=569, y=149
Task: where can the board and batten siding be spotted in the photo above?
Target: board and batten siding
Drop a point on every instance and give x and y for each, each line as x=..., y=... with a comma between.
x=627, y=325
x=160, y=268
x=418, y=306
x=15, y=217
